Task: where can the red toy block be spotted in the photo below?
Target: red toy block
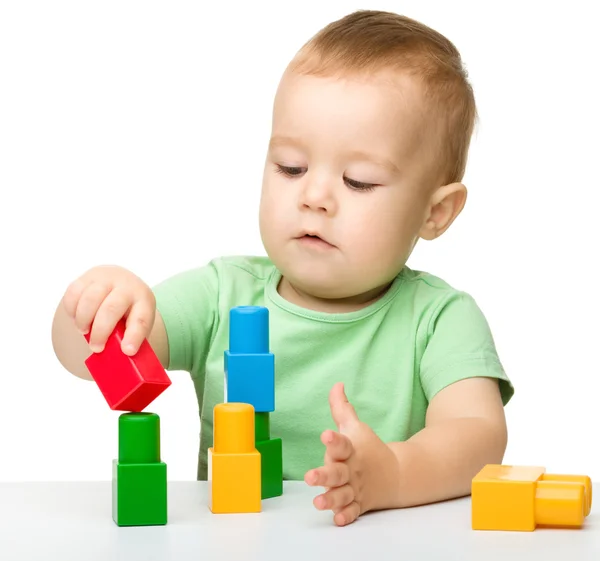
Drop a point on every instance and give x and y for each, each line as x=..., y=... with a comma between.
x=128, y=383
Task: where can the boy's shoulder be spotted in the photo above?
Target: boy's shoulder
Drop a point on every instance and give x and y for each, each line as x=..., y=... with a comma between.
x=436, y=305
x=428, y=287
x=424, y=279
x=256, y=266
x=234, y=276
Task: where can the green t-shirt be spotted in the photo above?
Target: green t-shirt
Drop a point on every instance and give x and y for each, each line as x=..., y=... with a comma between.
x=393, y=356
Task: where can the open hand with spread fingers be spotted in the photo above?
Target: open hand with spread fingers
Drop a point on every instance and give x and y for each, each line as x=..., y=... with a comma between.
x=360, y=472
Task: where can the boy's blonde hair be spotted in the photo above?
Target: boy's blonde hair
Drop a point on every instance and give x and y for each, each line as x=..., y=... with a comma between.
x=369, y=41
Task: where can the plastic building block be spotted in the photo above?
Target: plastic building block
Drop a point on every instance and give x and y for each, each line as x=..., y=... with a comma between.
x=139, y=477
x=249, y=329
x=139, y=438
x=271, y=457
x=521, y=498
x=234, y=474
x=128, y=383
x=271, y=466
x=262, y=426
x=249, y=366
x=139, y=494
x=249, y=379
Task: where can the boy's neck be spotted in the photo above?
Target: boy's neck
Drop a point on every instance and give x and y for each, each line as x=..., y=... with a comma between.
x=303, y=299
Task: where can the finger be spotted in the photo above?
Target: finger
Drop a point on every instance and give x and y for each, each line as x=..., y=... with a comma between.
x=331, y=475
x=339, y=446
x=139, y=325
x=335, y=499
x=73, y=294
x=342, y=411
x=347, y=515
x=111, y=310
x=88, y=304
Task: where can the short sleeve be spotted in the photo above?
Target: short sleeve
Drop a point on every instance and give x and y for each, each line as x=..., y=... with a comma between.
x=187, y=303
x=460, y=345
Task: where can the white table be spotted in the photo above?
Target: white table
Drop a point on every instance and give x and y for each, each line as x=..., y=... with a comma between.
x=72, y=522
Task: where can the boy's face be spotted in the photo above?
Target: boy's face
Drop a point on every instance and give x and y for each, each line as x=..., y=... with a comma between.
x=346, y=183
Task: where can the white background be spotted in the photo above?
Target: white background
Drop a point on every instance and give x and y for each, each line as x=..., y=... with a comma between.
x=135, y=132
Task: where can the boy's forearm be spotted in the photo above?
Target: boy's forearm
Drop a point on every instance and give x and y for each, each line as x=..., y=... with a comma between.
x=440, y=461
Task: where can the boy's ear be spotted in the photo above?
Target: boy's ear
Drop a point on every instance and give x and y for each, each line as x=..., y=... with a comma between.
x=444, y=206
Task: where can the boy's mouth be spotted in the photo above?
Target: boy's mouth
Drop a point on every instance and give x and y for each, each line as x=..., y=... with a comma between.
x=313, y=239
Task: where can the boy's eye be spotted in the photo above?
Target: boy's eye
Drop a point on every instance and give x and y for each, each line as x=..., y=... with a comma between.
x=359, y=185
x=290, y=171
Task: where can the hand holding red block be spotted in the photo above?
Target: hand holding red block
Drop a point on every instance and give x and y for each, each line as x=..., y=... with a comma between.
x=128, y=383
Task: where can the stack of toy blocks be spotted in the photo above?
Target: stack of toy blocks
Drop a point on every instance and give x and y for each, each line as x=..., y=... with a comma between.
x=130, y=384
x=242, y=423
x=521, y=498
x=139, y=482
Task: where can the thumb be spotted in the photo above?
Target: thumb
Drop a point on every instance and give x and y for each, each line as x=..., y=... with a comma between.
x=342, y=410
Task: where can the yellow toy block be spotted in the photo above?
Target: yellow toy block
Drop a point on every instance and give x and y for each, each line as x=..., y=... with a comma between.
x=234, y=479
x=520, y=498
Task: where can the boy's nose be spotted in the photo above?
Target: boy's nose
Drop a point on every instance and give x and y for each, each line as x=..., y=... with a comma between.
x=318, y=196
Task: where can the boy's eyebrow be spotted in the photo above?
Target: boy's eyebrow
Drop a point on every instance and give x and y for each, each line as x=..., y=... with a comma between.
x=382, y=162
x=279, y=140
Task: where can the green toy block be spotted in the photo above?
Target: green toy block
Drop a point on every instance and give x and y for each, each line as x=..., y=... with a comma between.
x=139, y=438
x=271, y=467
x=139, y=494
x=139, y=477
x=262, y=428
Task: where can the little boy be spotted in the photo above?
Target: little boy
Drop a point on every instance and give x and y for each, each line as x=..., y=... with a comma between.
x=371, y=127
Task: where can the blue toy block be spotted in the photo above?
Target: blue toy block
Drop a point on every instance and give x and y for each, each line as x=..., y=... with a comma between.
x=249, y=366
x=249, y=330
x=250, y=378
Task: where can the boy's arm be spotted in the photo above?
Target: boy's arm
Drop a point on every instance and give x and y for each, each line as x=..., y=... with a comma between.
x=72, y=349
x=465, y=429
